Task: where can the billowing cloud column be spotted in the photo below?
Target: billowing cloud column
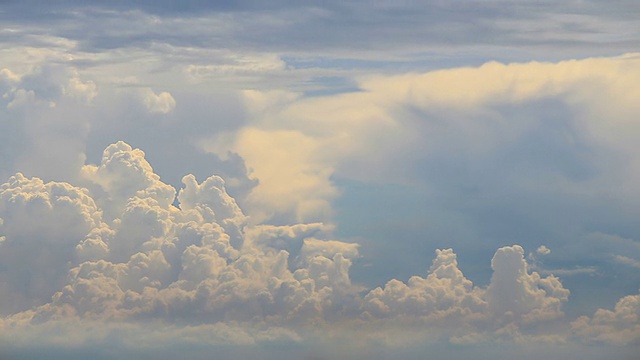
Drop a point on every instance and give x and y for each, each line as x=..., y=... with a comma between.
x=199, y=262
x=445, y=292
x=513, y=299
x=516, y=294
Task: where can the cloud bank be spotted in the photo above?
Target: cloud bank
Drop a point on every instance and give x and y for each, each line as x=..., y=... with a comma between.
x=116, y=254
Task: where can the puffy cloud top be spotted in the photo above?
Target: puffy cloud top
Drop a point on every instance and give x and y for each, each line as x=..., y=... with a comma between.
x=515, y=292
x=40, y=224
x=124, y=173
x=120, y=251
x=445, y=292
x=620, y=326
x=149, y=258
x=161, y=103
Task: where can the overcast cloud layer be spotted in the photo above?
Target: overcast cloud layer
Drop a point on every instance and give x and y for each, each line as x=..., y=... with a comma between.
x=319, y=180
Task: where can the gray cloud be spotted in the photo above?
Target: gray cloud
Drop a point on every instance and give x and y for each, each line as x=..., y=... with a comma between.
x=355, y=30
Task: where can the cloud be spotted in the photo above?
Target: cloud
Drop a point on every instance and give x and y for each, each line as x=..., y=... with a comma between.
x=345, y=30
x=237, y=67
x=123, y=174
x=82, y=91
x=410, y=126
x=148, y=258
x=514, y=299
x=43, y=111
x=570, y=272
x=161, y=103
x=500, y=151
x=442, y=130
x=515, y=292
x=314, y=247
x=42, y=223
x=294, y=179
x=120, y=251
x=8, y=77
x=620, y=326
x=626, y=260
x=543, y=250
x=445, y=292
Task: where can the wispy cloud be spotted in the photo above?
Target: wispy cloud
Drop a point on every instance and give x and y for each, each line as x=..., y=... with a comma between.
x=627, y=261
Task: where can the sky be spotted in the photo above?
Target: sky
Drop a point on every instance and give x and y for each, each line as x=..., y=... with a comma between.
x=319, y=179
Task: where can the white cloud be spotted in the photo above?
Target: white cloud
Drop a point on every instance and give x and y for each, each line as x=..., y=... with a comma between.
x=516, y=293
x=42, y=223
x=124, y=252
x=150, y=258
x=397, y=127
x=122, y=174
x=294, y=180
x=514, y=299
x=620, y=326
x=444, y=293
x=162, y=103
x=83, y=91
x=543, y=250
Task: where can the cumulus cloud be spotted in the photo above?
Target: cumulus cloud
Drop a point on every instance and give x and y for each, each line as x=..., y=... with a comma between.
x=543, y=250
x=161, y=103
x=620, y=326
x=445, y=292
x=119, y=250
x=136, y=254
x=124, y=173
x=514, y=292
x=45, y=84
x=42, y=223
x=530, y=151
x=198, y=257
x=513, y=300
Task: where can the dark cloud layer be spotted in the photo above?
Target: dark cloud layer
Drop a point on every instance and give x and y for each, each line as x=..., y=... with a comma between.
x=352, y=30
